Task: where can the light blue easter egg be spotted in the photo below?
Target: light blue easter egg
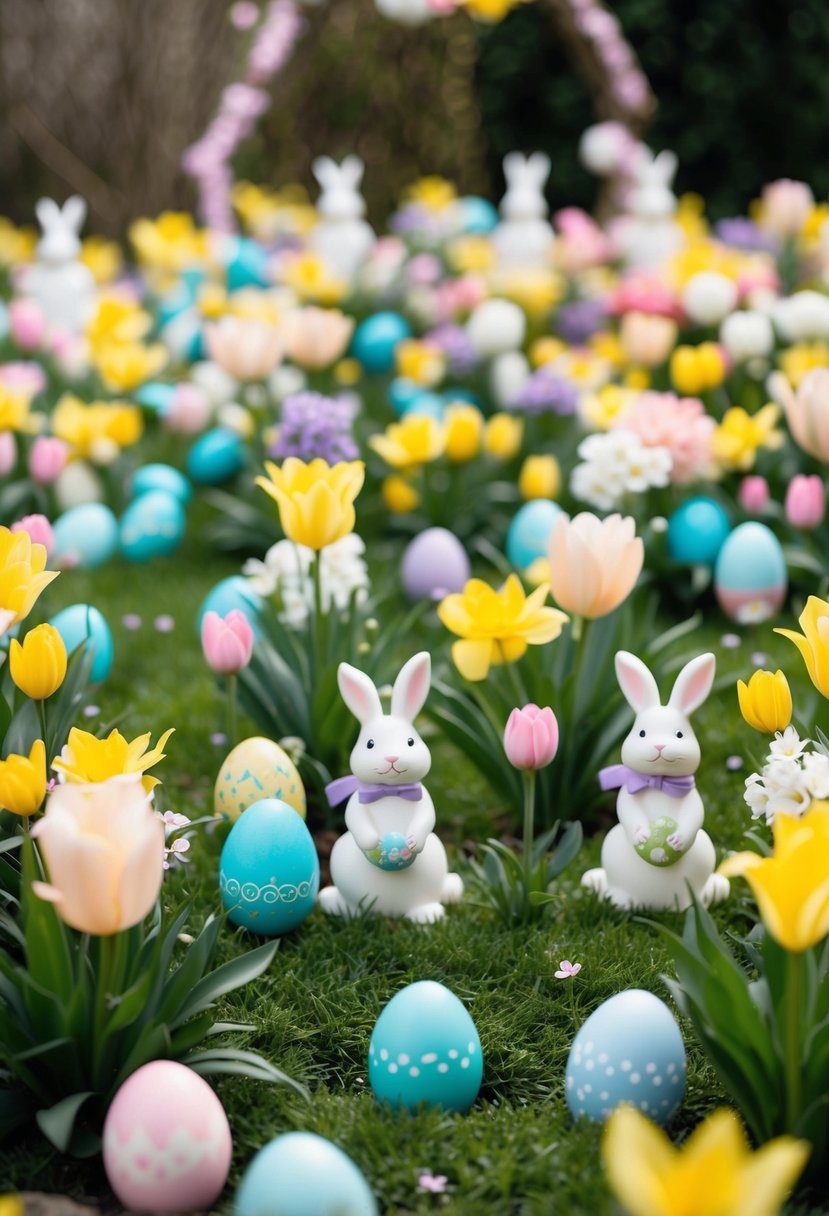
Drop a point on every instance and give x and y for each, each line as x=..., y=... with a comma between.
x=402, y=393
x=269, y=873
x=162, y=477
x=300, y=1174
x=232, y=593
x=392, y=852
x=750, y=577
x=86, y=536
x=697, y=531
x=4, y=320
x=375, y=339
x=478, y=216
x=451, y=396
x=425, y=1048
x=84, y=625
x=152, y=526
x=434, y=564
x=155, y=396
x=426, y=403
x=528, y=536
x=174, y=303
x=216, y=456
x=247, y=264
x=629, y=1050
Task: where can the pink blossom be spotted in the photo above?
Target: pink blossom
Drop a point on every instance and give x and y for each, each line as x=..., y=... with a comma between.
x=644, y=292
x=567, y=970
x=423, y=268
x=677, y=423
x=244, y=14
x=805, y=501
x=458, y=297
x=531, y=737
x=786, y=206
x=47, y=459
x=27, y=324
x=582, y=244
x=189, y=409
x=8, y=452
x=433, y=1184
x=39, y=529
x=23, y=377
x=753, y=494
x=227, y=642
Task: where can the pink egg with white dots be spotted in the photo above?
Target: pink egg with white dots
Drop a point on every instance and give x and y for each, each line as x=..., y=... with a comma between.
x=167, y=1143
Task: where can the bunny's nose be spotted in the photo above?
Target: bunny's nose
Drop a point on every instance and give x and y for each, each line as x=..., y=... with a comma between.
x=391, y=759
x=659, y=747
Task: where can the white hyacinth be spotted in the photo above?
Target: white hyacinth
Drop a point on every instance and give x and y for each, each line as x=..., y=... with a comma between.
x=285, y=573
x=617, y=463
x=791, y=778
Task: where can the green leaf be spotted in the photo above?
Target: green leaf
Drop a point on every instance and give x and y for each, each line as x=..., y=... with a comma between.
x=231, y=975
x=58, y=1122
x=240, y=1063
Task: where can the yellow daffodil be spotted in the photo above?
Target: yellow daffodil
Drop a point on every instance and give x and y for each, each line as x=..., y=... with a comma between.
x=270, y=213
x=702, y=255
x=802, y=358
x=497, y=626
x=490, y=11
x=117, y=318
x=812, y=230
x=696, y=369
x=124, y=366
x=690, y=215
x=737, y=439
x=608, y=347
x=470, y=254
x=463, y=430
x=418, y=439
x=212, y=300
x=87, y=759
x=14, y=410
x=103, y=258
x=23, y=781
x=433, y=193
x=792, y=885
x=714, y=1173
x=17, y=245
x=503, y=434
x=610, y=403
x=545, y=350
x=22, y=576
x=38, y=665
x=399, y=495
x=540, y=477
x=170, y=244
x=97, y=431
x=637, y=378
x=766, y=701
x=813, y=643
x=311, y=279
x=419, y=362
x=316, y=500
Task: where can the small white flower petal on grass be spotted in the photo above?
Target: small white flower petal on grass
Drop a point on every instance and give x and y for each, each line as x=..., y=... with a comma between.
x=567, y=970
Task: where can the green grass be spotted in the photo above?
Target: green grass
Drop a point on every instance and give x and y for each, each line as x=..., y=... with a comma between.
x=517, y=1151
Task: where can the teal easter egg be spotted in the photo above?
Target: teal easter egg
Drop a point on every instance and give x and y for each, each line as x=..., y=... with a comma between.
x=155, y=396
x=300, y=1174
x=697, y=531
x=152, y=526
x=269, y=873
x=629, y=1050
x=375, y=339
x=656, y=849
x=750, y=577
x=247, y=264
x=430, y=404
x=232, y=593
x=425, y=1048
x=4, y=320
x=216, y=456
x=477, y=215
x=528, y=536
x=456, y=393
x=402, y=393
x=392, y=853
x=86, y=536
x=83, y=625
x=162, y=477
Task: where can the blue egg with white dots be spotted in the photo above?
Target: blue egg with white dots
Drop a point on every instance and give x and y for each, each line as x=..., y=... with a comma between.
x=269, y=872
x=83, y=625
x=478, y=216
x=85, y=536
x=216, y=456
x=425, y=1048
x=426, y=404
x=528, y=536
x=629, y=1050
x=152, y=526
x=162, y=477
x=375, y=340
x=300, y=1174
x=231, y=593
x=697, y=530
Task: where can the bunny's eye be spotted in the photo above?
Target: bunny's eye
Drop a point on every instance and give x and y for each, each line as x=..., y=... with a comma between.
x=370, y=744
x=641, y=734
x=679, y=734
x=410, y=742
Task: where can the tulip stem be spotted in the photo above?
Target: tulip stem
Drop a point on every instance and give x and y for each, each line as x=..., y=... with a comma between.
x=232, y=681
x=318, y=646
x=41, y=715
x=794, y=974
x=528, y=781
x=106, y=958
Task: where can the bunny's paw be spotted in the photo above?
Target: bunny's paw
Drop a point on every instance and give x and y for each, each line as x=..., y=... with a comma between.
x=426, y=914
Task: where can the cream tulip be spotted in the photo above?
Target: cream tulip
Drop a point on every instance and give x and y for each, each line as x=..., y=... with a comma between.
x=594, y=563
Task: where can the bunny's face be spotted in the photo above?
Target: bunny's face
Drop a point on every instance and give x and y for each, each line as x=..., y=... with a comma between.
x=662, y=741
x=389, y=751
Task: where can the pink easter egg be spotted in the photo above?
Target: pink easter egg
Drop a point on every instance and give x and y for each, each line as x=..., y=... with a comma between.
x=167, y=1143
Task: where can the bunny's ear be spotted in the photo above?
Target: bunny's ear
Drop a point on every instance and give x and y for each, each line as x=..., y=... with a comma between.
x=636, y=682
x=514, y=165
x=359, y=693
x=540, y=164
x=352, y=169
x=665, y=166
x=412, y=686
x=326, y=171
x=693, y=684
x=74, y=212
x=47, y=212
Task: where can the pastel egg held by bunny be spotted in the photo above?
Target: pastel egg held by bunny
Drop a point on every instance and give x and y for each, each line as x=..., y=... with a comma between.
x=658, y=853
x=389, y=861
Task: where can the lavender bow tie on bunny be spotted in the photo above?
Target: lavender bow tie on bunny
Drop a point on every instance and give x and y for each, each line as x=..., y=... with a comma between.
x=337, y=791
x=617, y=775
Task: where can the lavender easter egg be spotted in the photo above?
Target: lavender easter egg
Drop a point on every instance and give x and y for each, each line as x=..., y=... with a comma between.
x=750, y=577
x=434, y=564
x=166, y=1142
x=629, y=1050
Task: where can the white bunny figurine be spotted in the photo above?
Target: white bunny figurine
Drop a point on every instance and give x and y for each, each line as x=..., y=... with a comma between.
x=342, y=239
x=60, y=284
x=524, y=237
x=389, y=861
x=649, y=233
x=658, y=848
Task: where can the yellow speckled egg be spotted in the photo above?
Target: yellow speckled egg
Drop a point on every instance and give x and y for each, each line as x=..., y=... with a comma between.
x=257, y=768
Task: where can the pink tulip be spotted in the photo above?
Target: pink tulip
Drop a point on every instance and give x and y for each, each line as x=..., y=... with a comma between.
x=805, y=501
x=786, y=207
x=753, y=494
x=47, y=459
x=39, y=529
x=27, y=378
x=8, y=452
x=531, y=737
x=227, y=642
x=27, y=324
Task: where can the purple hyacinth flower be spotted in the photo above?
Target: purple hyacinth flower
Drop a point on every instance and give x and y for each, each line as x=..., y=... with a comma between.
x=316, y=426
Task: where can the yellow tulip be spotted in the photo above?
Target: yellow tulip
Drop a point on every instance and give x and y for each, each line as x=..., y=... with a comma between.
x=123, y=366
x=419, y=362
x=311, y=279
x=545, y=350
x=540, y=477
x=22, y=576
x=97, y=431
x=171, y=243
x=11, y=1205
x=491, y=11
x=712, y=365
x=813, y=643
x=117, y=319
x=418, y=439
x=14, y=410
x=792, y=885
x=694, y=369
x=86, y=759
x=434, y=193
x=464, y=426
x=714, y=1173
x=497, y=626
x=23, y=781
x=315, y=500
x=503, y=435
x=737, y=439
x=102, y=257
x=399, y=495
x=38, y=666
x=766, y=701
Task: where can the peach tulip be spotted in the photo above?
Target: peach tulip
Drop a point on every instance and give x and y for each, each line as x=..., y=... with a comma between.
x=104, y=849
x=245, y=349
x=807, y=410
x=316, y=337
x=594, y=563
x=647, y=339
x=531, y=737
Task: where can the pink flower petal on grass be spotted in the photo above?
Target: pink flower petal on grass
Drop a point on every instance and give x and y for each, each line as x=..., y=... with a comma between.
x=567, y=970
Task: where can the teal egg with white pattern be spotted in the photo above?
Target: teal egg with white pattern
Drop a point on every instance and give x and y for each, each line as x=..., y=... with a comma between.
x=425, y=1048
x=629, y=1050
x=162, y=477
x=152, y=526
x=85, y=536
x=269, y=872
x=300, y=1174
